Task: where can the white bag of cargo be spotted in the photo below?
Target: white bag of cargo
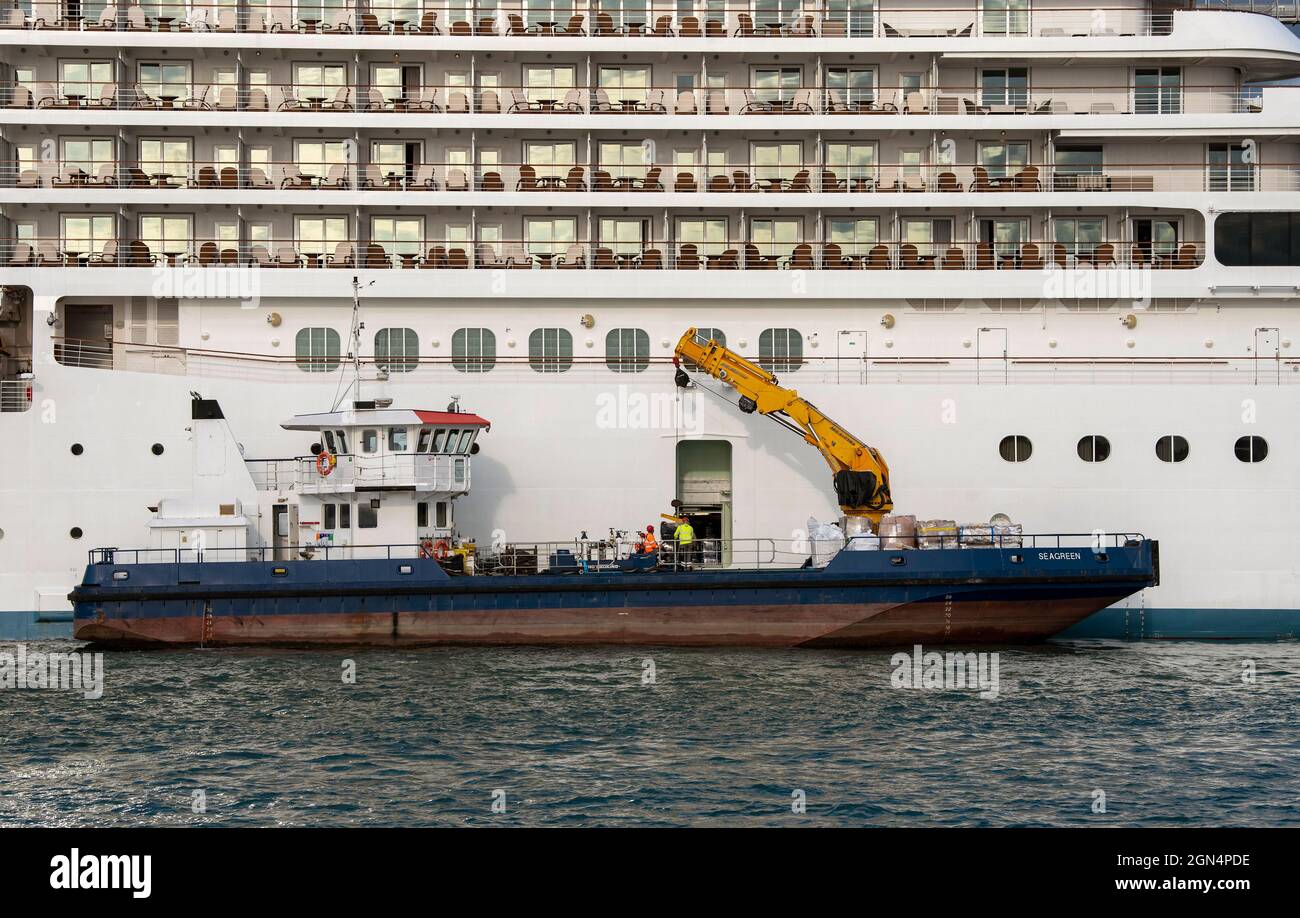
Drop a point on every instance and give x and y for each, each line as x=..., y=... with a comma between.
x=826, y=540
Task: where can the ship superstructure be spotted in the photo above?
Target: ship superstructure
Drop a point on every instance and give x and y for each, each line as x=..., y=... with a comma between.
x=1049, y=252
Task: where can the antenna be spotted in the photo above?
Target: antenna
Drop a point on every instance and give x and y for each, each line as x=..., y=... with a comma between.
x=354, y=352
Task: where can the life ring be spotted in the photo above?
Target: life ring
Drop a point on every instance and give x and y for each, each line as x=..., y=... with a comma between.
x=325, y=463
x=432, y=549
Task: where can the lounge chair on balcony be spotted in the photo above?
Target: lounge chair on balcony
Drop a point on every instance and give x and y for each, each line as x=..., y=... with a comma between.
x=457, y=259
x=601, y=180
x=604, y=258
x=688, y=257
x=651, y=181
x=106, y=257
x=372, y=179
x=802, y=103
x=519, y=103
x=663, y=27
x=1059, y=256
x=602, y=103
x=343, y=22
x=260, y=256
x=947, y=181
x=485, y=256
x=107, y=176
x=878, y=258
x=227, y=99
x=651, y=260
x=463, y=27
x=719, y=183
x=336, y=177
x=835, y=104
x=136, y=177
x=20, y=97
x=605, y=24
x=685, y=183
x=527, y=179
x=516, y=23
x=457, y=180
x=429, y=23
x=915, y=104
x=375, y=101
x=654, y=102
x=575, y=26
x=1104, y=255
x=46, y=96
x=138, y=255
x=953, y=260
x=257, y=178
x=575, y=258
x=745, y=29
x=47, y=254
x=23, y=256
x=909, y=257
x=136, y=20
x=28, y=178
x=740, y=181
x=291, y=177
x=206, y=177
x=426, y=100
x=802, y=182
x=689, y=27
x=984, y=257
x=426, y=178
x=833, y=257
x=227, y=20
x=980, y=179
x=257, y=100
x=1031, y=258
x=1185, y=257
x=342, y=101
x=107, y=21
x=575, y=180
x=685, y=104
x=973, y=109
x=1027, y=179
x=368, y=24
x=457, y=102
x=436, y=257
x=833, y=184
x=492, y=181
x=345, y=256
x=1102, y=108
x=754, y=260
x=752, y=105
x=277, y=20
x=516, y=257
x=375, y=257
x=572, y=102
x=715, y=102
x=202, y=101
x=801, y=258
x=286, y=256
x=209, y=254
x=489, y=103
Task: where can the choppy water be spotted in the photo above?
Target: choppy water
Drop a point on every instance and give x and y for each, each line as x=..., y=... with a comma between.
x=1169, y=732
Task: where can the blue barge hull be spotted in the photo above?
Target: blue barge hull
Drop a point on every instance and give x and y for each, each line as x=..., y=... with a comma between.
x=862, y=598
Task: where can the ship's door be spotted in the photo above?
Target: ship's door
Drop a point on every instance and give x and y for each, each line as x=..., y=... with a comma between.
x=851, y=354
x=1268, y=357
x=991, y=357
x=704, y=488
x=87, y=336
x=280, y=532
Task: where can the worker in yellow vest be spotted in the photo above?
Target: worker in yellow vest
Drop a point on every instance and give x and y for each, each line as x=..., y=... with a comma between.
x=684, y=534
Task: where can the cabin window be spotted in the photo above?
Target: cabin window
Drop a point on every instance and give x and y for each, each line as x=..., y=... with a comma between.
x=1257, y=239
x=345, y=516
x=780, y=350
x=1094, y=448
x=1015, y=448
x=397, y=350
x=369, y=441
x=453, y=437
x=367, y=516
x=422, y=444
x=1172, y=448
x=1251, y=449
x=466, y=436
x=329, y=442
x=550, y=350
x=397, y=439
x=473, y=350
x=343, y=441
x=440, y=511
x=627, y=350
x=439, y=436
x=328, y=516
x=459, y=471
x=317, y=350
x=422, y=514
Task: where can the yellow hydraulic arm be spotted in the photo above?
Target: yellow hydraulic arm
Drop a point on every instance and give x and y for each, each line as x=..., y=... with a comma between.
x=860, y=474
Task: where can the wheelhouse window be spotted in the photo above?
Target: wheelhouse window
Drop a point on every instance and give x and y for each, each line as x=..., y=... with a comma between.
x=550, y=350
x=397, y=439
x=397, y=350
x=473, y=350
x=1158, y=90
x=370, y=440
x=780, y=350
x=627, y=350
x=316, y=350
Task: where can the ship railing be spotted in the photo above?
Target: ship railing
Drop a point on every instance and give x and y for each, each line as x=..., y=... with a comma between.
x=16, y=394
x=852, y=246
x=847, y=169
x=712, y=20
x=427, y=472
x=837, y=91
x=596, y=555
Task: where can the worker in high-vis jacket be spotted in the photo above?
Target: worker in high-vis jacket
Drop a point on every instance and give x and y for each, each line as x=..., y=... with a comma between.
x=651, y=545
x=684, y=535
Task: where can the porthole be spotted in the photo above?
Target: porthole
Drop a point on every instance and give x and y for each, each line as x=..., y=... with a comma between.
x=77, y=449
x=1172, y=448
x=75, y=532
x=1015, y=448
x=156, y=449
x=1094, y=448
x=1251, y=449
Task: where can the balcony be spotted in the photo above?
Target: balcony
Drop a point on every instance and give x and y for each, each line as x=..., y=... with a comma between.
x=949, y=100
x=734, y=255
x=646, y=20
x=16, y=394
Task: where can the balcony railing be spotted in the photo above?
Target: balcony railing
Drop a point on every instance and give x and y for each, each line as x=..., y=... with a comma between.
x=649, y=19
x=738, y=178
x=958, y=100
x=16, y=394
x=749, y=255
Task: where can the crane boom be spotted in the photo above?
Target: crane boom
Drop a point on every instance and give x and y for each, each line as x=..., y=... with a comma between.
x=858, y=471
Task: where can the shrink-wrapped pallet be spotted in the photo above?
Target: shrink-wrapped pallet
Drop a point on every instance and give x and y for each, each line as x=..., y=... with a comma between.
x=860, y=535
x=1008, y=535
x=936, y=533
x=976, y=535
x=897, y=532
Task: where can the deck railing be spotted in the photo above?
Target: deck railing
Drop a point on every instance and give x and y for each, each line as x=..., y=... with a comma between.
x=15, y=394
x=646, y=20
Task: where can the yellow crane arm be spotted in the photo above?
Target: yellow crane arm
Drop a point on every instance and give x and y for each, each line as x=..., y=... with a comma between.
x=859, y=472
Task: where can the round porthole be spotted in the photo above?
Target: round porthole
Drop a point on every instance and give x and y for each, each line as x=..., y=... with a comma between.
x=1251, y=449
x=1094, y=448
x=1015, y=448
x=316, y=449
x=1172, y=448
x=156, y=449
x=75, y=532
x=77, y=449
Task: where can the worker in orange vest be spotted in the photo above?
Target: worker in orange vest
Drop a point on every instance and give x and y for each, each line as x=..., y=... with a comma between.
x=651, y=546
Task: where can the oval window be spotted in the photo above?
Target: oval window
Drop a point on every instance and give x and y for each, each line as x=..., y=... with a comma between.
x=1015, y=448
x=1251, y=449
x=1094, y=448
x=1172, y=448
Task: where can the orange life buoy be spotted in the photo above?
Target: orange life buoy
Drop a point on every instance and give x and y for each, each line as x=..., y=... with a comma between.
x=325, y=463
x=432, y=549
